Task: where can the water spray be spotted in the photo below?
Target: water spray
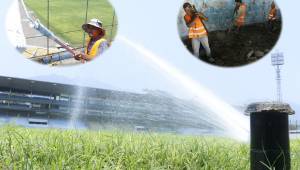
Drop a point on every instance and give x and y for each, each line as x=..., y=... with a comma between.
x=78, y=107
x=269, y=131
x=232, y=120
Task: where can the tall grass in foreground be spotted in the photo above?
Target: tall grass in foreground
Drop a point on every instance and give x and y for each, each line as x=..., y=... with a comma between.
x=22, y=148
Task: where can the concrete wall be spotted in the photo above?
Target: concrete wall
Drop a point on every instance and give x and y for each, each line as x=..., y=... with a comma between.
x=220, y=13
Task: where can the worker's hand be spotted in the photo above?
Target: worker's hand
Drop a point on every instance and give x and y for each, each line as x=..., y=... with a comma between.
x=81, y=56
x=84, y=57
x=78, y=56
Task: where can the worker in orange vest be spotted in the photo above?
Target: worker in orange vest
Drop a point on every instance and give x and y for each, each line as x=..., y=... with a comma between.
x=197, y=32
x=272, y=16
x=240, y=12
x=96, y=44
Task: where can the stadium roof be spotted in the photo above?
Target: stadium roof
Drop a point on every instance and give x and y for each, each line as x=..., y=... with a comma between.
x=46, y=88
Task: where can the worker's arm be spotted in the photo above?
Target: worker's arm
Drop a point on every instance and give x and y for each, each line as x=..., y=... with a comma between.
x=80, y=56
x=202, y=16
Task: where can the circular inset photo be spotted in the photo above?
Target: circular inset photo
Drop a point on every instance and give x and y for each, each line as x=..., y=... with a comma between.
x=56, y=32
x=229, y=33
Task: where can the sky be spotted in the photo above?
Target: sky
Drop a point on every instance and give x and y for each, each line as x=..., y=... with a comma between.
x=153, y=25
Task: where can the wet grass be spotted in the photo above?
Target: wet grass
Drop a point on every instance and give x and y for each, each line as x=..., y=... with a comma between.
x=65, y=16
x=22, y=148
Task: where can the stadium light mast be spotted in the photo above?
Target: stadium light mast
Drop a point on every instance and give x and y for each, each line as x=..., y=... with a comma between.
x=277, y=61
x=269, y=129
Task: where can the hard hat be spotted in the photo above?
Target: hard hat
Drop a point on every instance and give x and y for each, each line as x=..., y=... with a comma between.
x=93, y=22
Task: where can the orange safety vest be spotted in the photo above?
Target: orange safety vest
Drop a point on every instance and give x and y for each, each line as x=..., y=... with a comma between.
x=272, y=14
x=94, y=51
x=240, y=21
x=198, y=29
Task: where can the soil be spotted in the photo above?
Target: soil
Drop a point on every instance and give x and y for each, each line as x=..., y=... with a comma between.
x=251, y=43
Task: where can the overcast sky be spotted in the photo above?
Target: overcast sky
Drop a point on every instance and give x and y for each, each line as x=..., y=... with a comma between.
x=152, y=24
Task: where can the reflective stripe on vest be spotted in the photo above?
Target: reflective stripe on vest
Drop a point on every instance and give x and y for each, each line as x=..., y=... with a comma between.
x=95, y=48
x=197, y=30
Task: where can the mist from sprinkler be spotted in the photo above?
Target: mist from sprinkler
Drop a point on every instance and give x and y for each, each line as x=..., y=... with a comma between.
x=233, y=122
x=77, y=107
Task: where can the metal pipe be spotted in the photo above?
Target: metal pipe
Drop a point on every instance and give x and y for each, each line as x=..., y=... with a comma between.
x=56, y=57
x=41, y=28
x=269, y=131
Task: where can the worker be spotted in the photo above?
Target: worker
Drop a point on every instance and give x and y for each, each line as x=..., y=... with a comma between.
x=96, y=44
x=197, y=31
x=239, y=14
x=272, y=16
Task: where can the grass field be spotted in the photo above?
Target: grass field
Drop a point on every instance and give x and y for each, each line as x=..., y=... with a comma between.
x=22, y=148
x=69, y=15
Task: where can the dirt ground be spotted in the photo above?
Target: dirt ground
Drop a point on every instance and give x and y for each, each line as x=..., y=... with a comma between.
x=236, y=49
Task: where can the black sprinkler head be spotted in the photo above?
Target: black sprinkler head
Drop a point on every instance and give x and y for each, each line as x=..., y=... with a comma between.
x=269, y=128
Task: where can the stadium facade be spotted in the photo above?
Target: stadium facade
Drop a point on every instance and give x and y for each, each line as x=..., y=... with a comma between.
x=45, y=104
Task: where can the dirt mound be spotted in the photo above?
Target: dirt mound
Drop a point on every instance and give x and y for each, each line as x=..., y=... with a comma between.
x=236, y=49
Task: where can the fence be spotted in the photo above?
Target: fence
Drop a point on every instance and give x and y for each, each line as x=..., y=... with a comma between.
x=65, y=18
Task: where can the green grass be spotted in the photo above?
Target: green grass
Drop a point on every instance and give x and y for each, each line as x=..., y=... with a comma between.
x=22, y=148
x=69, y=15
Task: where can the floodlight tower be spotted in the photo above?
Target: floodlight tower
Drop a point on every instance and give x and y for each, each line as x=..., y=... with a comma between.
x=269, y=129
x=277, y=62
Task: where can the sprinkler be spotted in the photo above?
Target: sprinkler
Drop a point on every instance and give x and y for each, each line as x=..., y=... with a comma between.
x=269, y=130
